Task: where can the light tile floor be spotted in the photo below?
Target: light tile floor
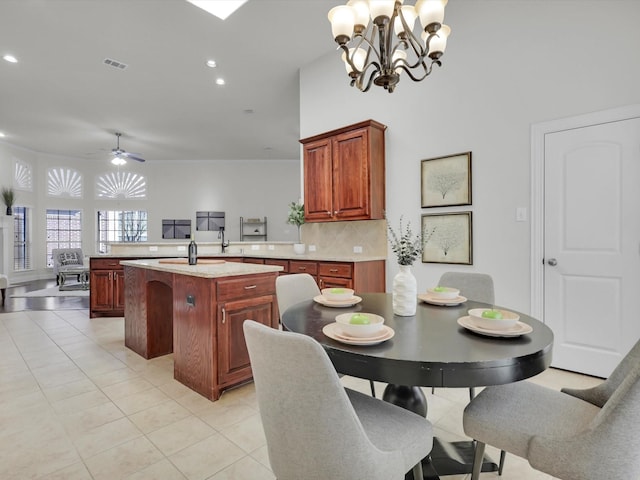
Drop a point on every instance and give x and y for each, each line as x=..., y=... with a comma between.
x=76, y=404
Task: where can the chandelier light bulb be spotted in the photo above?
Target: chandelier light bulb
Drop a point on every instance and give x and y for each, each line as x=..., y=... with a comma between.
x=342, y=20
x=358, y=57
x=409, y=14
x=381, y=9
x=399, y=57
x=431, y=13
x=361, y=12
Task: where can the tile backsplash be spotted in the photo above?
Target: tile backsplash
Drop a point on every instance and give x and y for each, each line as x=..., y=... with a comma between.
x=340, y=237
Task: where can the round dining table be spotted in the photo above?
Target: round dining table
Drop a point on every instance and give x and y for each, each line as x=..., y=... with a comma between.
x=429, y=349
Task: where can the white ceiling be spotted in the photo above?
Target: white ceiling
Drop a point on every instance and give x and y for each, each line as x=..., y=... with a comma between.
x=62, y=99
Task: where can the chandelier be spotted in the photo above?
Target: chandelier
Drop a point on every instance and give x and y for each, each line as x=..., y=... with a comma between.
x=397, y=48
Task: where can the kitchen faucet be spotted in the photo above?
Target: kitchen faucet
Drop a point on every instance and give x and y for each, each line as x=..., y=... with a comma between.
x=221, y=235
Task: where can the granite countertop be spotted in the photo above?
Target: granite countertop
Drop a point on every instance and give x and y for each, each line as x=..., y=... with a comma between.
x=316, y=257
x=219, y=270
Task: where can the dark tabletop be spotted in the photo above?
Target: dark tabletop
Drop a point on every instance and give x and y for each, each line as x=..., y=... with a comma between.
x=428, y=349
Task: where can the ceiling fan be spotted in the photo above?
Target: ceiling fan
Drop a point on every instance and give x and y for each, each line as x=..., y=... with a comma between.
x=120, y=156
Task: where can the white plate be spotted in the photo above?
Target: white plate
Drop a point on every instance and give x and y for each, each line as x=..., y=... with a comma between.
x=332, y=330
x=447, y=302
x=339, y=304
x=519, y=329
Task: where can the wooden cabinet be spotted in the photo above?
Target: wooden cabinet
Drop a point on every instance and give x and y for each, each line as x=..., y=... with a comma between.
x=363, y=277
x=335, y=275
x=107, y=288
x=281, y=263
x=234, y=365
x=344, y=174
x=299, y=266
x=199, y=319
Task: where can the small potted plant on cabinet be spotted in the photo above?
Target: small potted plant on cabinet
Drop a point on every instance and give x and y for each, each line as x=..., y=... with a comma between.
x=9, y=197
x=296, y=217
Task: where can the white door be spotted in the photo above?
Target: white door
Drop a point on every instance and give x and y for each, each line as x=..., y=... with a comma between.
x=592, y=244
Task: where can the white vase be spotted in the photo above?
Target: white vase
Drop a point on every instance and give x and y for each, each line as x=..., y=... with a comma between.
x=405, y=292
x=299, y=248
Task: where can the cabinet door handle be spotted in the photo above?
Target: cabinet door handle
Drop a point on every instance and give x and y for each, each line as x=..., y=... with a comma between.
x=249, y=287
x=321, y=283
x=333, y=270
x=224, y=315
x=328, y=213
x=302, y=268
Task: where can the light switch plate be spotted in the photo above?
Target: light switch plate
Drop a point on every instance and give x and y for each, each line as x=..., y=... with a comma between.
x=182, y=248
x=312, y=248
x=153, y=248
x=357, y=249
x=271, y=247
x=255, y=247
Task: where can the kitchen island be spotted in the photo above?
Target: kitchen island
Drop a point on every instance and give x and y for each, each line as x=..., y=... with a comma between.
x=196, y=312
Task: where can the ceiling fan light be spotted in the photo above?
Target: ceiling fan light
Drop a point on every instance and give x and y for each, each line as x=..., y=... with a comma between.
x=118, y=161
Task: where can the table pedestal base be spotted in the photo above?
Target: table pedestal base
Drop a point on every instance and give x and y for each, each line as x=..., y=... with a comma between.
x=446, y=458
x=455, y=458
x=409, y=398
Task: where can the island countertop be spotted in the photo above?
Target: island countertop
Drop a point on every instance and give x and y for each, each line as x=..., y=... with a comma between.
x=205, y=270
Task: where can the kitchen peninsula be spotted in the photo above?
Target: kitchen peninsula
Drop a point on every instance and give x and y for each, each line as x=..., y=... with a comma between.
x=196, y=312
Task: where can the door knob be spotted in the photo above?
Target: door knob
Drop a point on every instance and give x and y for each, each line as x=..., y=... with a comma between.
x=552, y=262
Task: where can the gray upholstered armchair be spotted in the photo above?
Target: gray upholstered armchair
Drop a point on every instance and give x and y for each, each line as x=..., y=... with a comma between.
x=64, y=258
x=574, y=434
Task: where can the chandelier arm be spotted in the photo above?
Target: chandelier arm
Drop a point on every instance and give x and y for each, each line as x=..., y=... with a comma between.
x=370, y=80
x=427, y=70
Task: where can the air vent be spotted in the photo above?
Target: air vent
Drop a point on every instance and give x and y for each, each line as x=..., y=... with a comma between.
x=115, y=63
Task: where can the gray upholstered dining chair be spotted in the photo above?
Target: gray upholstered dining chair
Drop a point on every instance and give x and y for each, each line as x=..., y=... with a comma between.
x=474, y=286
x=479, y=288
x=572, y=434
x=296, y=288
x=317, y=429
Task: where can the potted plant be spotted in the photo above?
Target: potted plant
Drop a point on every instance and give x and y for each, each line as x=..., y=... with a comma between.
x=9, y=197
x=296, y=217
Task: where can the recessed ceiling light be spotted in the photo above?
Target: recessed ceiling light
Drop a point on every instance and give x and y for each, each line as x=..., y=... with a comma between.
x=220, y=81
x=10, y=58
x=220, y=8
x=211, y=63
x=248, y=111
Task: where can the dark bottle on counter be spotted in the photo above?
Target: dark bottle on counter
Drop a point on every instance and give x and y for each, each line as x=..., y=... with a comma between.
x=193, y=252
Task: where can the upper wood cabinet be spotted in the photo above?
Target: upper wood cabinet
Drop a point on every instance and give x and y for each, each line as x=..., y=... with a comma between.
x=344, y=176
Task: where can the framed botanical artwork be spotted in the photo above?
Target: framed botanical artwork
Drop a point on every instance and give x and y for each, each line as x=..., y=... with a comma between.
x=447, y=238
x=446, y=181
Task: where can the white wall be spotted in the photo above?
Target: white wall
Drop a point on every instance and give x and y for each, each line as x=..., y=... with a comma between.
x=176, y=190
x=509, y=64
